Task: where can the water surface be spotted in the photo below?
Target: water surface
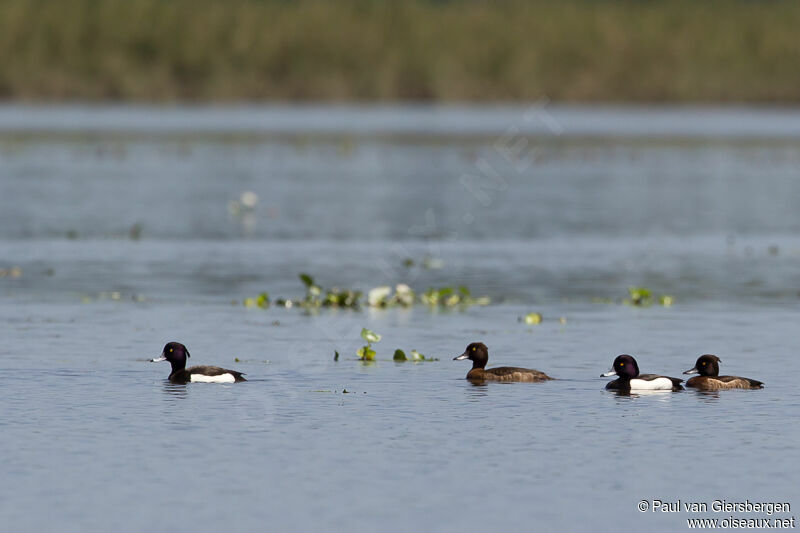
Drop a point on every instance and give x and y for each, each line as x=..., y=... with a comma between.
x=125, y=235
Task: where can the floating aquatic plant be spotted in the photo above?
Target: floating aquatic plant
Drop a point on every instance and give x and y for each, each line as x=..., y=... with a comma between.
x=366, y=353
x=334, y=297
x=314, y=297
x=532, y=318
x=643, y=297
x=262, y=301
x=284, y=302
x=450, y=297
x=535, y=318
x=403, y=295
x=415, y=356
x=341, y=298
x=381, y=297
x=312, y=289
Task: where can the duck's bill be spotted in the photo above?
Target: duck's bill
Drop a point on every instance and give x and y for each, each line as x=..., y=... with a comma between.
x=611, y=372
x=158, y=359
x=461, y=357
x=692, y=371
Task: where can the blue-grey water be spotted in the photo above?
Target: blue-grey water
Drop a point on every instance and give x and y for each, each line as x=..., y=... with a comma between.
x=120, y=231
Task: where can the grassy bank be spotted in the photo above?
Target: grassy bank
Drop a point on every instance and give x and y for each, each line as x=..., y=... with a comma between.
x=566, y=50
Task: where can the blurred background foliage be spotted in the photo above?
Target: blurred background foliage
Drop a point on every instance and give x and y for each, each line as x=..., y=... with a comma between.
x=371, y=50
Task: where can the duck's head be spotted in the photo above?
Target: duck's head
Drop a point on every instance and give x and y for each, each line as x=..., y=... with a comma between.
x=174, y=352
x=477, y=352
x=624, y=366
x=706, y=365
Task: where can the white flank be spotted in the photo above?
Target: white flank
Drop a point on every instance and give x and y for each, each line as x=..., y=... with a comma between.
x=656, y=384
x=222, y=378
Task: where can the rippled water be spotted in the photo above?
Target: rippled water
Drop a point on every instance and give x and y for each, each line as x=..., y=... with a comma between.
x=125, y=238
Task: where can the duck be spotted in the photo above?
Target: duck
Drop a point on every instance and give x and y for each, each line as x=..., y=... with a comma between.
x=709, y=379
x=627, y=369
x=176, y=353
x=478, y=353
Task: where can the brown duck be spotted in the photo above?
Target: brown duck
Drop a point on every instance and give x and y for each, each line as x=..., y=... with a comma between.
x=478, y=353
x=709, y=379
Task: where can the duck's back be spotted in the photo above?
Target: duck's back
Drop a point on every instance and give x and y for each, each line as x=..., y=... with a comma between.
x=723, y=382
x=507, y=373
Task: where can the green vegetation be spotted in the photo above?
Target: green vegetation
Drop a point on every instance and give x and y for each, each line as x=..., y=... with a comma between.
x=381, y=297
x=643, y=297
x=262, y=301
x=450, y=297
x=532, y=318
x=535, y=318
x=459, y=50
x=366, y=353
x=317, y=297
x=416, y=357
x=639, y=297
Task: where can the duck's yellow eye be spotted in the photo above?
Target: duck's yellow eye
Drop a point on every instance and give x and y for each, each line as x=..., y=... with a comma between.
x=473, y=348
x=704, y=363
x=170, y=351
x=622, y=364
